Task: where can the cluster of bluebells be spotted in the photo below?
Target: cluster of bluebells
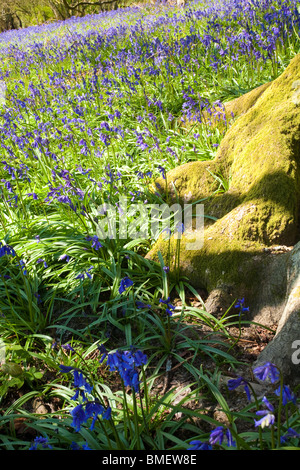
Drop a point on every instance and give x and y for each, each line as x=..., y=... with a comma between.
x=234, y=31
x=218, y=436
x=6, y=250
x=126, y=363
x=241, y=306
x=125, y=283
x=169, y=307
x=265, y=372
x=268, y=371
x=88, y=407
x=40, y=443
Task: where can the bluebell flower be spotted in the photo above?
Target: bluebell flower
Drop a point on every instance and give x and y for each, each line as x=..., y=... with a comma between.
x=170, y=308
x=85, y=273
x=43, y=441
x=267, y=371
x=64, y=257
x=85, y=447
x=81, y=385
x=180, y=228
x=79, y=417
x=125, y=283
x=40, y=260
x=232, y=384
x=287, y=394
x=107, y=414
x=67, y=347
x=80, y=276
x=92, y=410
x=218, y=434
x=6, y=250
x=268, y=417
x=65, y=369
x=139, y=357
x=290, y=434
x=114, y=361
x=165, y=301
x=21, y=264
x=103, y=351
x=126, y=363
x=130, y=378
x=95, y=242
x=75, y=446
x=33, y=195
x=140, y=304
x=240, y=305
x=38, y=297
x=199, y=445
x=162, y=171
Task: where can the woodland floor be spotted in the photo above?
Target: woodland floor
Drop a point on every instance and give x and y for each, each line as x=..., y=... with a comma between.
x=253, y=339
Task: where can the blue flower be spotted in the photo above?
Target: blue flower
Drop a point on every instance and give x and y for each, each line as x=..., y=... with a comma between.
x=217, y=436
x=291, y=433
x=180, y=228
x=43, y=441
x=107, y=414
x=232, y=384
x=267, y=419
x=131, y=378
x=81, y=385
x=34, y=195
x=21, y=264
x=103, y=351
x=287, y=395
x=92, y=410
x=65, y=369
x=140, y=304
x=126, y=363
x=198, y=445
x=95, y=242
x=268, y=370
x=40, y=260
x=240, y=305
x=64, y=257
x=170, y=308
x=125, y=283
x=267, y=415
x=75, y=446
x=6, y=250
x=85, y=273
x=162, y=171
x=139, y=358
x=68, y=347
x=79, y=417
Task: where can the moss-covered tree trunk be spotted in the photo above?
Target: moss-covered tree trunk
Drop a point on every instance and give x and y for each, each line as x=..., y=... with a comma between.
x=258, y=212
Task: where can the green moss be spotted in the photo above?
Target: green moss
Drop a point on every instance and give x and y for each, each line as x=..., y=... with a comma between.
x=243, y=103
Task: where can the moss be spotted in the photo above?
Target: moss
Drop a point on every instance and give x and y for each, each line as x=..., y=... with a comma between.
x=243, y=103
x=262, y=151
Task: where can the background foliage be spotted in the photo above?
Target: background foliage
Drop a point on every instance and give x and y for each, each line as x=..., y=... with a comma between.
x=22, y=13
